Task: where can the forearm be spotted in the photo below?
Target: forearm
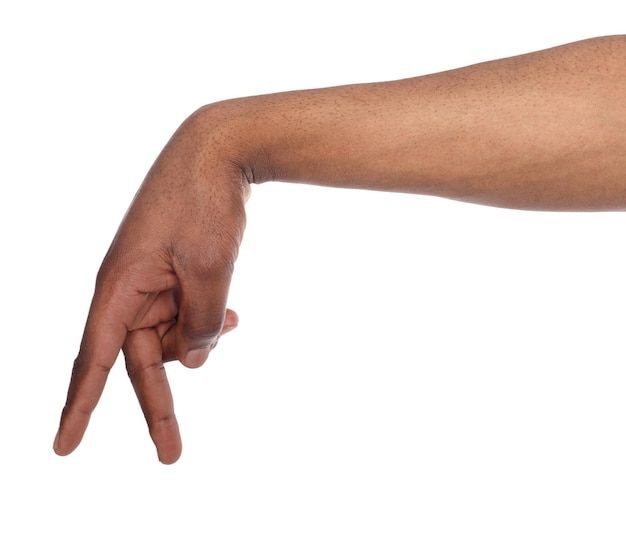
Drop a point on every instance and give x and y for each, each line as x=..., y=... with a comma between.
x=545, y=130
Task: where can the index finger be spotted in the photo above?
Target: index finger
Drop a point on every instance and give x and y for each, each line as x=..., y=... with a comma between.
x=101, y=344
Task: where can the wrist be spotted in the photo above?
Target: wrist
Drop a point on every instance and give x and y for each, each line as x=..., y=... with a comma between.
x=338, y=136
x=234, y=133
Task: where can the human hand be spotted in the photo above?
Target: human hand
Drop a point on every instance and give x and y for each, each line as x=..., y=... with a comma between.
x=162, y=288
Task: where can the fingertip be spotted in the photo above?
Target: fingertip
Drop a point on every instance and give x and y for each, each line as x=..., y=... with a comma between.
x=231, y=321
x=169, y=457
x=166, y=438
x=195, y=358
x=71, y=431
x=231, y=318
x=60, y=447
x=55, y=445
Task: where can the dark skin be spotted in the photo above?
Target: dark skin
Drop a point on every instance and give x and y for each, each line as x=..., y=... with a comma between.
x=540, y=131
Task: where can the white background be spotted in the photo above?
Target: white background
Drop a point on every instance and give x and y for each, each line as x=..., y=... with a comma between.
x=403, y=363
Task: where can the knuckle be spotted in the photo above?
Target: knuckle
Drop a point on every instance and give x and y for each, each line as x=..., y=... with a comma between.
x=82, y=365
x=136, y=369
x=201, y=335
x=161, y=420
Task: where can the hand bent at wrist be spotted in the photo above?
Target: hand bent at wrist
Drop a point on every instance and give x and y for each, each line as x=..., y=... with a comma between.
x=162, y=288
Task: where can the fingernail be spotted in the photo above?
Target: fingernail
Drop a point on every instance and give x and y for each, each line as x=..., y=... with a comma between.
x=196, y=358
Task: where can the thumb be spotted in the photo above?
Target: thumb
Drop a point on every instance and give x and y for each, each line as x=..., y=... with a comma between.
x=196, y=358
x=202, y=316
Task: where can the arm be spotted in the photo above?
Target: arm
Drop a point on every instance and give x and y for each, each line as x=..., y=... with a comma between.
x=541, y=131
